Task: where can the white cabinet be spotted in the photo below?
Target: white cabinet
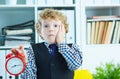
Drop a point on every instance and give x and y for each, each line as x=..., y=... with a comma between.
x=2, y=64
x=96, y=54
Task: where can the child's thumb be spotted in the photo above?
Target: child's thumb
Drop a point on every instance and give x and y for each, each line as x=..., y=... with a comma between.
x=21, y=48
x=23, y=52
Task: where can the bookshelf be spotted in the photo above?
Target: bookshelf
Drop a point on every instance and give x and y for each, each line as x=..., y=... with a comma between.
x=96, y=54
x=22, y=11
x=93, y=54
x=22, y=8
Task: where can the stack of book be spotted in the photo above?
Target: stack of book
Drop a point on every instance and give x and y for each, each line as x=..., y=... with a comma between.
x=18, y=34
x=103, y=30
x=2, y=42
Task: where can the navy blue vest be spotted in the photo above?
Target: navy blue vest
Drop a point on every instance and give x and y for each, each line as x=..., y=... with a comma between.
x=50, y=67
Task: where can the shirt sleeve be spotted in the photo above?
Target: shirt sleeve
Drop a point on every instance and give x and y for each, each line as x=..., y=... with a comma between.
x=72, y=55
x=30, y=71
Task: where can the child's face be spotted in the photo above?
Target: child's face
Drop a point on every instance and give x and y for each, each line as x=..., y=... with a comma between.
x=49, y=30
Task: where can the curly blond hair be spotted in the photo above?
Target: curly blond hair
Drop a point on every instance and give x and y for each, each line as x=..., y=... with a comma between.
x=51, y=14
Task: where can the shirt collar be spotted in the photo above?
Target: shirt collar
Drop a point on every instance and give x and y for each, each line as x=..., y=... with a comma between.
x=47, y=44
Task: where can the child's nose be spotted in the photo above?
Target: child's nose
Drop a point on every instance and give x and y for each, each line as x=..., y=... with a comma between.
x=51, y=28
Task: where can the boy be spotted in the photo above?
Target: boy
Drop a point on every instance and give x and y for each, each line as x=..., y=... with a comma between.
x=51, y=59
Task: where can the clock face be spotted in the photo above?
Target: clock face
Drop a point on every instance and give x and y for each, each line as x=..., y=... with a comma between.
x=14, y=65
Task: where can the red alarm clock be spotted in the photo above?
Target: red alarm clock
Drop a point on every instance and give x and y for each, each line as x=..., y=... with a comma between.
x=15, y=64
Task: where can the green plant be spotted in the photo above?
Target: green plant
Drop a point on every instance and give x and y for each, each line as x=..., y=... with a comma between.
x=107, y=71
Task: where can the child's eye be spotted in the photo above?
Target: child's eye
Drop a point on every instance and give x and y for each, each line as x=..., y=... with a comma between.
x=55, y=25
x=45, y=26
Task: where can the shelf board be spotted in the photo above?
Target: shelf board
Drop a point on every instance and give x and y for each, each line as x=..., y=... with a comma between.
x=9, y=47
x=43, y=6
x=102, y=48
x=102, y=5
x=103, y=19
x=16, y=6
x=33, y=6
x=103, y=45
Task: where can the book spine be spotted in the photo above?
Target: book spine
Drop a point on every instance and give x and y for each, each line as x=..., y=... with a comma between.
x=88, y=32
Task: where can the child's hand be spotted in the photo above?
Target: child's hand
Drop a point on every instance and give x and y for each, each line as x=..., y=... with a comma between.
x=19, y=50
x=61, y=34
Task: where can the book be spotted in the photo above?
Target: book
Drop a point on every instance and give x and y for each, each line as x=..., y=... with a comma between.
x=30, y=2
x=115, y=1
x=16, y=42
x=41, y=2
x=7, y=40
x=50, y=2
x=89, y=26
x=105, y=17
x=92, y=33
x=109, y=32
x=2, y=64
x=118, y=35
x=89, y=2
x=68, y=2
x=2, y=40
x=96, y=31
x=115, y=32
x=17, y=37
x=60, y=2
x=100, y=32
x=70, y=36
x=22, y=25
x=19, y=32
x=106, y=1
x=104, y=32
x=98, y=1
x=20, y=28
x=119, y=40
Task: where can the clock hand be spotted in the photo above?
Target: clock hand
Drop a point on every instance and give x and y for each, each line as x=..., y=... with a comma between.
x=16, y=65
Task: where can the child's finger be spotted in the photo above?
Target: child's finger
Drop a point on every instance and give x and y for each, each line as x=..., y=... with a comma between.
x=62, y=28
x=22, y=49
x=15, y=51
